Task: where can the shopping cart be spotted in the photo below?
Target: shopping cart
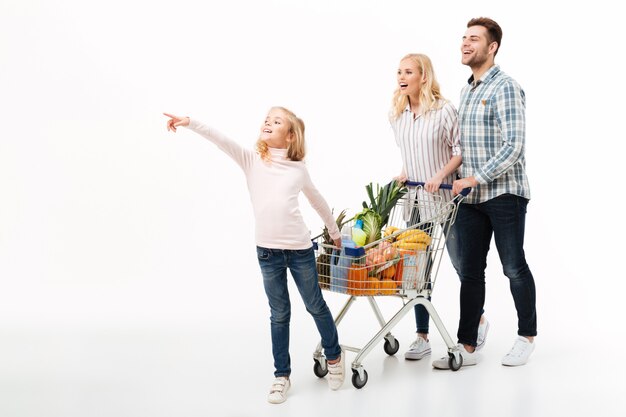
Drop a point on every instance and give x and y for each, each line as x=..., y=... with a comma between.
x=404, y=263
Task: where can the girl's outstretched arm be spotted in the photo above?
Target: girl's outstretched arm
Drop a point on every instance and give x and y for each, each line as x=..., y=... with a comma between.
x=243, y=157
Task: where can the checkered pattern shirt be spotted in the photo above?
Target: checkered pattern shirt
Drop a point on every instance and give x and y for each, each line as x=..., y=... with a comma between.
x=492, y=122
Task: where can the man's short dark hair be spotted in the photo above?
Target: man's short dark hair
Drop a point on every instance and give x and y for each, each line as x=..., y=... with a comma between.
x=494, y=30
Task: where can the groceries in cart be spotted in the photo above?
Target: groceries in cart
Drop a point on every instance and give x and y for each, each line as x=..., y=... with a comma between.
x=379, y=254
x=392, y=264
x=325, y=245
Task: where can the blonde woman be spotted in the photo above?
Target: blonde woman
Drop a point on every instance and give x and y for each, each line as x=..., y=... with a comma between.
x=426, y=130
x=276, y=174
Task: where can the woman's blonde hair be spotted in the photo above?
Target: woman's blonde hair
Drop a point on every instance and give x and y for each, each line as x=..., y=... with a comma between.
x=430, y=93
x=296, y=148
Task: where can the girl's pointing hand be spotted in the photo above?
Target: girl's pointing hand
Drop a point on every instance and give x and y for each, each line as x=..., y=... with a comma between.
x=176, y=121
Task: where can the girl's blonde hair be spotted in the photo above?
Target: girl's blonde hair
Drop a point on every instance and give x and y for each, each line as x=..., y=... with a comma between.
x=430, y=93
x=296, y=148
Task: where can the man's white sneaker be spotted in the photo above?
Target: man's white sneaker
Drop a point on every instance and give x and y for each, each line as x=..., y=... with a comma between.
x=468, y=359
x=278, y=392
x=418, y=349
x=337, y=372
x=483, y=328
x=520, y=352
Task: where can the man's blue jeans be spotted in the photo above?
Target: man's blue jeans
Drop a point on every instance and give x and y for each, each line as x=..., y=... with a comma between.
x=503, y=218
x=301, y=263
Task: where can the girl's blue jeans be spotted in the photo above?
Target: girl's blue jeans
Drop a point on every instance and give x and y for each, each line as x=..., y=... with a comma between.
x=301, y=263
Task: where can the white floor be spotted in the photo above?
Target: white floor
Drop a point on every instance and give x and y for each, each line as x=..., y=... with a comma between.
x=220, y=365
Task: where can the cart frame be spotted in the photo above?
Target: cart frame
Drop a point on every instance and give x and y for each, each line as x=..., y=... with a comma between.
x=443, y=218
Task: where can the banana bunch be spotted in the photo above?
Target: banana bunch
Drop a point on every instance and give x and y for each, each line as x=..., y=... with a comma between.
x=410, y=245
x=414, y=236
x=413, y=239
x=390, y=230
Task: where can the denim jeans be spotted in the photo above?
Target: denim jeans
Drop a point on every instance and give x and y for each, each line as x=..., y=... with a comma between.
x=503, y=218
x=301, y=263
x=422, y=318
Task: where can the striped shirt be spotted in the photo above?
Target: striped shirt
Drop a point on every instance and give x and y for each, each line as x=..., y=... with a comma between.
x=492, y=122
x=427, y=143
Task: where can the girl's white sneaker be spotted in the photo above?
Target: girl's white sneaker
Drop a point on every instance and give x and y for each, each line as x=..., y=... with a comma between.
x=278, y=392
x=337, y=372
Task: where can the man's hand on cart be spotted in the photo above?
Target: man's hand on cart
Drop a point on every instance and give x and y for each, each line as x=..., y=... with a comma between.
x=463, y=183
x=176, y=121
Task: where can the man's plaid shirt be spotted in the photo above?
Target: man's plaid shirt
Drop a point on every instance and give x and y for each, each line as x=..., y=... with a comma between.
x=492, y=122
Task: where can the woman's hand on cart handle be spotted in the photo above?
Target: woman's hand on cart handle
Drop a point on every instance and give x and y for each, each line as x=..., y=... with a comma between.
x=433, y=184
x=337, y=243
x=460, y=186
x=400, y=179
x=176, y=121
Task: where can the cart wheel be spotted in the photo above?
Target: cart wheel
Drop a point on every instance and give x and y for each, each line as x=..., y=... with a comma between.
x=453, y=364
x=356, y=379
x=391, y=348
x=318, y=370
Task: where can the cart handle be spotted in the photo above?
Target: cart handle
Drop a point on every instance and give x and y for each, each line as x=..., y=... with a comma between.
x=354, y=252
x=464, y=191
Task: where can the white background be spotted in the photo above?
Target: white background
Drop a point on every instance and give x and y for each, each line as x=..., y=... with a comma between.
x=110, y=224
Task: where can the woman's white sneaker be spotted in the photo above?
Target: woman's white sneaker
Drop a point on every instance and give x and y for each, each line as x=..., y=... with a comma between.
x=520, y=352
x=278, y=392
x=418, y=349
x=483, y=329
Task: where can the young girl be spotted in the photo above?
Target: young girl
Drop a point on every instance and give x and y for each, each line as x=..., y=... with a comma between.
x=426, y=129
x=276, y=174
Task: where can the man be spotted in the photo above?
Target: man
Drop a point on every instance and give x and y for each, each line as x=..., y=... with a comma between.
x=492, y=125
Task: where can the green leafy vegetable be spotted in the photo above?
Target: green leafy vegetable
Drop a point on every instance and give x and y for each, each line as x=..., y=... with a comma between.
x=372, y=224
x=385, y=199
